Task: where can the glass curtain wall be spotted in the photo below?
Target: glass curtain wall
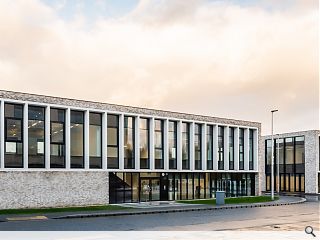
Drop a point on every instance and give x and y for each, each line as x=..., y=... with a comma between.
x=113, y=141
x=185, y=146
x=290, y=154
x=209, y=147
x=220, y=147
x=158, y=143
x=57, y=138
x=144, y=143
x=172, y=145
x=197, y=146
x=129, y=144
x=77, y=139
x=241, y=148
x=13, y=118
x=36, y=147
x=231, y=148
x=95, y=140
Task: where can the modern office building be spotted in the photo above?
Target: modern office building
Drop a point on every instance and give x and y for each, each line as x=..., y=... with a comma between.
x=63, y=152
x=298, y=156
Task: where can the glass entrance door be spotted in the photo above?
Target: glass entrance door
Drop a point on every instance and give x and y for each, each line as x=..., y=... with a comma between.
x=149, y=189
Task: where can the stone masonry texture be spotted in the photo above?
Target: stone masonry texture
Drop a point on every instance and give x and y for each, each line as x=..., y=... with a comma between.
x=36, y=189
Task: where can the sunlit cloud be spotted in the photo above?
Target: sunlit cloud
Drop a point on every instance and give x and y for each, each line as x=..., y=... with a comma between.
x=217, y=58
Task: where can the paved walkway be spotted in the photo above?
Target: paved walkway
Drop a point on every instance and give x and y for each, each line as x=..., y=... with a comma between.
x=148, y=208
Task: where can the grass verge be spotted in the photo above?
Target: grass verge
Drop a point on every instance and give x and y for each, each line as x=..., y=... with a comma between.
x=237, y=200
x=56, y=210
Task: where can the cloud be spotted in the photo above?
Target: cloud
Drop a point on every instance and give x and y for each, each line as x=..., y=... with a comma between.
x=214, y=58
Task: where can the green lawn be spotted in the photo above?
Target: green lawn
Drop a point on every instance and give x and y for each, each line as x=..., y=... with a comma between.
x=212, y=201
x=67, y=209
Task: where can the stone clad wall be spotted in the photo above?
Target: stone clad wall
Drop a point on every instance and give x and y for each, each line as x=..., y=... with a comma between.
x=35, y=189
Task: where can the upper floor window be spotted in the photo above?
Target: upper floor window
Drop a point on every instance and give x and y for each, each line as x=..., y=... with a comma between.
x=241, y=148
x=158, y=144
x=113, y=141
x=251, y=149
x=231, y=148
x=13, y=155
x=57, y=138
x=197, y=146
x=77, y=139
x=209, y=147
x=144, y=143
x=129, y=144
x=36, y=144
x=220, y=147
x=95, y=140
x=172, y=145
x=185, y=145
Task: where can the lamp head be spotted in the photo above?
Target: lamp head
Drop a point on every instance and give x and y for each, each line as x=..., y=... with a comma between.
x=274, y=110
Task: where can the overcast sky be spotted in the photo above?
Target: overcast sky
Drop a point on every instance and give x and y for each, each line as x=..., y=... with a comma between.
x=234, y=59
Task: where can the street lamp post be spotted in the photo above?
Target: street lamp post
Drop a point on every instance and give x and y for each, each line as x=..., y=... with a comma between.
x=278, y=165
x=272, y=156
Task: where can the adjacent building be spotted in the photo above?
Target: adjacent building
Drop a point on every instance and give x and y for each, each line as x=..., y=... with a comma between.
x=63, y=152
x=296, y=157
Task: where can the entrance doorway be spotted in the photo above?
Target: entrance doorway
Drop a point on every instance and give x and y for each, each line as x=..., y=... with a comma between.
x=153, y=189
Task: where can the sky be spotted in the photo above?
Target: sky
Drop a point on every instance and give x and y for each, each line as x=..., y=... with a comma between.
x=236, y=59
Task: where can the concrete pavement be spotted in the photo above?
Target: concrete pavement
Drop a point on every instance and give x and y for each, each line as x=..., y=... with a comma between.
x=148, y=208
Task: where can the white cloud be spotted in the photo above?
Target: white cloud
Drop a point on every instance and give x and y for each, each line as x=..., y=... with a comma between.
x=209, y=58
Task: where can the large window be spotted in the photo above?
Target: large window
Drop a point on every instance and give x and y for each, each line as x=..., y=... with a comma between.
x=57, y=138
x=13, y=157
x=251, y=149
x=231, y=148
x=220, y=148
x=129, y=142
x=113, y=141
x=197, y=146
x=209, y=147
x=299, y=154
x=241, y=148
x=185, y=146
x=36, y=137
x=289, y=155
x=172, y=145
x=77, y=139
x=158, y=144
x=144, y=143
x=95, y=140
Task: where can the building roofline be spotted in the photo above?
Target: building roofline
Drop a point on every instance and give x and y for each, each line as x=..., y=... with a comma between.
x=119, y=105
x=293, y=133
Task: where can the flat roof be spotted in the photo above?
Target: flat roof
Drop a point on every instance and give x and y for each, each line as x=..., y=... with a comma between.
x=4, y=94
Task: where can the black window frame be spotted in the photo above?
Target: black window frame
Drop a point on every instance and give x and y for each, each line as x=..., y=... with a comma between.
x=6, y=165
x=64, y=137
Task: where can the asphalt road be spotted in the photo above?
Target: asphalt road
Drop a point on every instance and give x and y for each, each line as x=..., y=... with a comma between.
x=283, y=218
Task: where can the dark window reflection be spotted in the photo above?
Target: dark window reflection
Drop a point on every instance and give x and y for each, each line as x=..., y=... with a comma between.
x=144, y=143
x=95, y=140
x=197, y=146
x=185, y=146
x=77, y=139
x=158, y=143
x=13, y=155
x=209, y=147
x=172, y=135
x=57, y=138
x=36, y=146
x=129, y=144
x=220, y=148
x=113, y=141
